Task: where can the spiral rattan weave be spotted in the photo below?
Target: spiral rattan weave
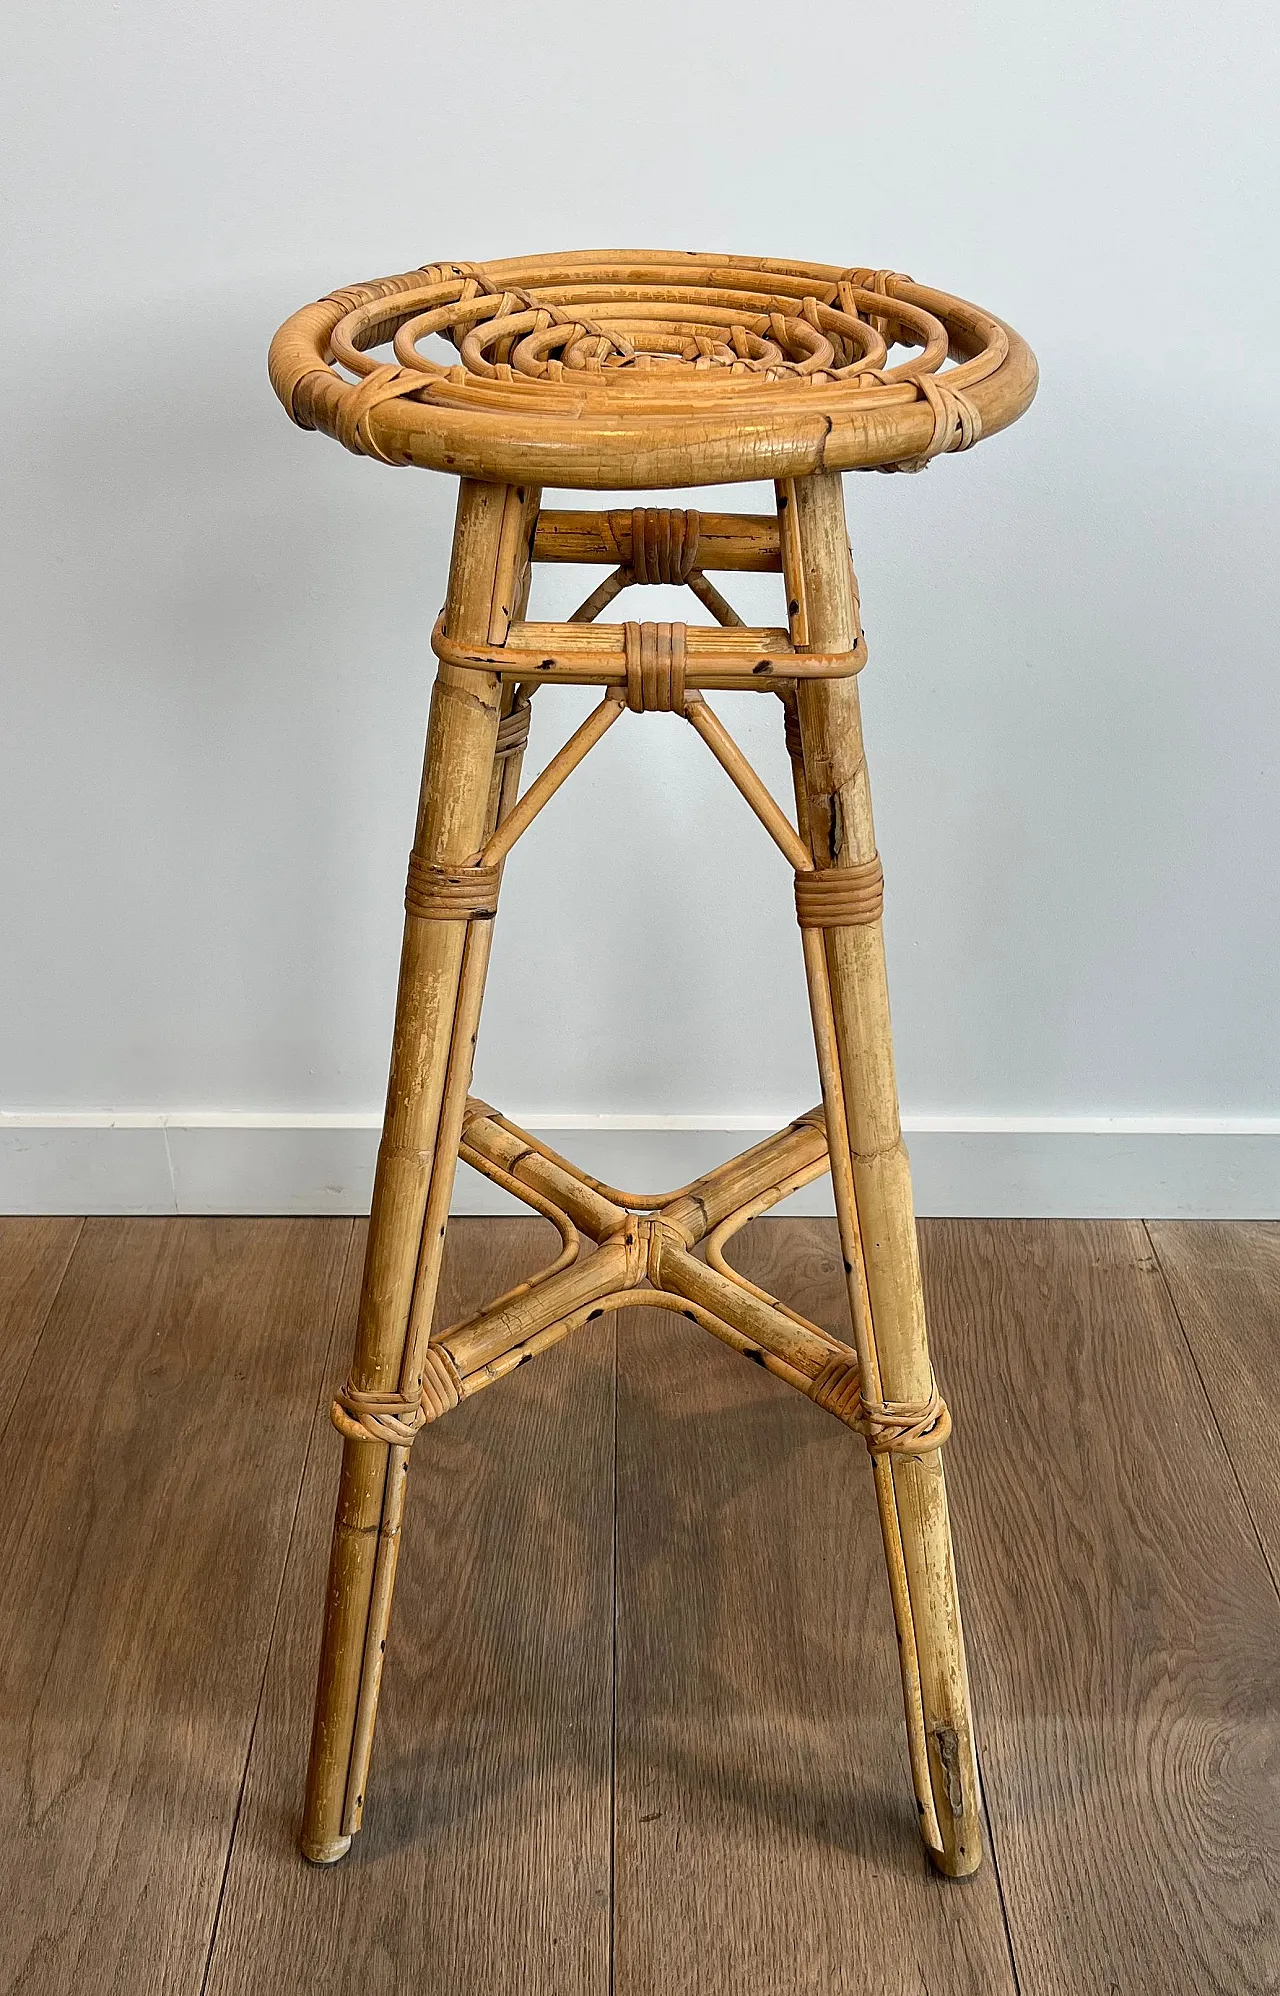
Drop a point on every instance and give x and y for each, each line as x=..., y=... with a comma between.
x=626, y=368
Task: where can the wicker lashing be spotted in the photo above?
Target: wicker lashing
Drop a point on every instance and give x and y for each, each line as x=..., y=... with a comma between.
x=656, y=661
x=513, y=732
x=664, y=544
x=840, y=897
x=451, y=894
x=909, y=1427
x=397, y=1418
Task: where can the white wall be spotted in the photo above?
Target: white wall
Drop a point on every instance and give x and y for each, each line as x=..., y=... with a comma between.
x=215, y=627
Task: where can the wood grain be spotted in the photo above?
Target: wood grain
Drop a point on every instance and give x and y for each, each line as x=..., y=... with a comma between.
x=33, y=1259
x=149, y=1487
x=483, y=1863
x=1224, y=1278
x=766, y=1834
x=1124, y=1632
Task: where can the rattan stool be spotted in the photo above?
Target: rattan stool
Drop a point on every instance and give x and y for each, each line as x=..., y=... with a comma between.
x=624, y=369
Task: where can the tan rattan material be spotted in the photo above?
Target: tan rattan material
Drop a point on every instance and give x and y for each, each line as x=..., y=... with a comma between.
x=627, y=370
x=833, y=897
x=446, y=894
x=623, y=367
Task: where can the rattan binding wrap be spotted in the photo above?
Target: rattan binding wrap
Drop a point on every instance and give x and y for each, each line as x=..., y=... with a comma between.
x=831, y=897
x=664, y=544
x=656, y=665
x=513, y=732
x=448, y=894
x=392, y=1417
x=903, y=1427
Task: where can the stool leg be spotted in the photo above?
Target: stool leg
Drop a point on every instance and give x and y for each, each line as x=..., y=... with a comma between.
x=442, y=968
x=872, y=1180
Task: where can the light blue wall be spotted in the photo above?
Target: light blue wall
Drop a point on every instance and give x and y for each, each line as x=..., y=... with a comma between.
x=215, y=627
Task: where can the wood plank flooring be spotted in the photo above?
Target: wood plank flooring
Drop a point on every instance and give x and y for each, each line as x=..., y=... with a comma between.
x=641, y=1729
x=33, y=1260
x=1225, y=1284
x=485, y=1858
x=766, y=1826
x=151, y=1470
x=1123, y=1627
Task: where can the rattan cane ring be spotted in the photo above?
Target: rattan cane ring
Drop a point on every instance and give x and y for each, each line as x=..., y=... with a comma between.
x=664, y=544
x=616, y=368
x=513, y=731
x=656, y=665
x=442, y=894
x=840, y=897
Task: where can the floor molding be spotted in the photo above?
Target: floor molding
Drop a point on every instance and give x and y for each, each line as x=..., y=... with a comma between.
x=1052, y=1167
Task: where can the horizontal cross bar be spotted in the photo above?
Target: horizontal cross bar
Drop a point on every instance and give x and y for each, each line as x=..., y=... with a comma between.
x=725, y=540
x=486, y=1337
x=693, y=1210
x=643, y=1261
x=643, y=1251
x=641, y=1299
x=633, y=1249
x=741, y=657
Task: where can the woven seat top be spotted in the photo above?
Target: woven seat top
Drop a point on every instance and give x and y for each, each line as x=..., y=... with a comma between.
x=628, y=369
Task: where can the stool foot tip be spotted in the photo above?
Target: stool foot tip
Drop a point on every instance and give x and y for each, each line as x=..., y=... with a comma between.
x=961, y=1861
x=326, y=1853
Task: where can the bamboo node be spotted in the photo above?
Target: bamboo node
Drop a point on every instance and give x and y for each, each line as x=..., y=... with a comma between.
x=889, y=1427
x=840, y=897
x=656, y=663
x=451, y=894
x=394, y=1418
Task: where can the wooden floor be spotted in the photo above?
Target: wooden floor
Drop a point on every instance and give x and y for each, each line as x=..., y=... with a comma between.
x=641, y=1727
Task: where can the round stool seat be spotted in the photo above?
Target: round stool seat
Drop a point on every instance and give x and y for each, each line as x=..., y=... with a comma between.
x=614, y=369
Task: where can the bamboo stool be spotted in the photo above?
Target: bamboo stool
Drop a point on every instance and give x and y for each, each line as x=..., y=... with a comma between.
x=617, y=369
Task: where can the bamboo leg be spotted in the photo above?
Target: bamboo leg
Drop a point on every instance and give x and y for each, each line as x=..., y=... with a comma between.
x=871, y=1177
x=441, y=982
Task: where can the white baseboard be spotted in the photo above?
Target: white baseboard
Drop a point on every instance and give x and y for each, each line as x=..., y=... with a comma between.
x=990, y=1166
